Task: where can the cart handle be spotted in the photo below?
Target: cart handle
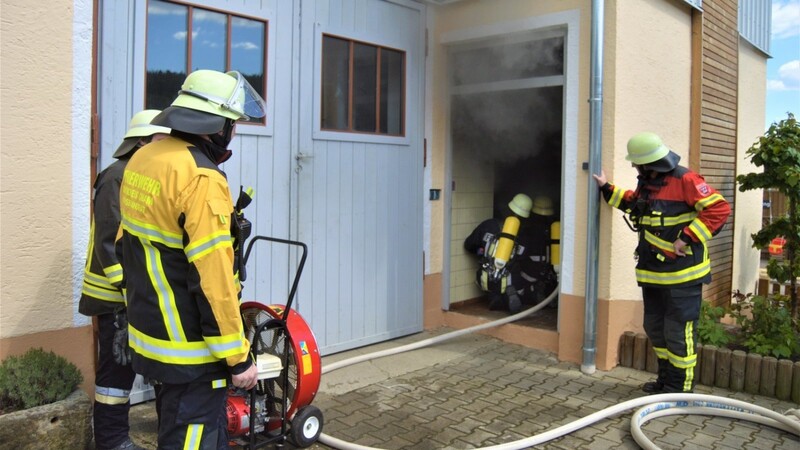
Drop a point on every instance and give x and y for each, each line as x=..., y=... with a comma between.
x=296, y=281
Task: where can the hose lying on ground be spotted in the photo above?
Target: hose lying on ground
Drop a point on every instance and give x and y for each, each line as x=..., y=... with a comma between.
x=651, y=407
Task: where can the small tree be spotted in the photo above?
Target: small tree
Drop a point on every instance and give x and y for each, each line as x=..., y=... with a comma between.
x=778, y=152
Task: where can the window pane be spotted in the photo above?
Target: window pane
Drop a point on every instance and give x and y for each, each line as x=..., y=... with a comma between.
x=166, y=52
x=365, y=66
x=209, y=40
x=247, y=53
x=335, y=91
x=392, y=91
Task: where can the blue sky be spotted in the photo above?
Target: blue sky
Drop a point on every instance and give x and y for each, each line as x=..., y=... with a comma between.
x=783, y=70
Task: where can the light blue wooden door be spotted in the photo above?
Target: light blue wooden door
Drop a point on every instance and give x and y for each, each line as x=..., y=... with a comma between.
x=359, y=193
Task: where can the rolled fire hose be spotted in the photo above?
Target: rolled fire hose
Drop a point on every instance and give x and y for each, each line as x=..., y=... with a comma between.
x=650, y=407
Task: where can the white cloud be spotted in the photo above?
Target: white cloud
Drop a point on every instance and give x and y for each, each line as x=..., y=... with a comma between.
x=789, y=77
x=790, y=74
x=201, y=15
x=785, y=19
x=166, y=9
x=181, y=35
x=245, y=45
x=776, y=85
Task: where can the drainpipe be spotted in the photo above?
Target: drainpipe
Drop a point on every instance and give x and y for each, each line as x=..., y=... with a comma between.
x=593, y=208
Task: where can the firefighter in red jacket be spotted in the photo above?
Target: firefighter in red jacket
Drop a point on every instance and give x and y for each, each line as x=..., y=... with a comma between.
x=102, y=297
x=177, y=245
x=675, y=213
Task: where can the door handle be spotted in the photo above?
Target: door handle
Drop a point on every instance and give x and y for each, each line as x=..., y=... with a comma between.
x=300, y=157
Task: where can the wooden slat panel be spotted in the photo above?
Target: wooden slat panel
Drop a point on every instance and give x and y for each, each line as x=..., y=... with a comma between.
x=718, y=123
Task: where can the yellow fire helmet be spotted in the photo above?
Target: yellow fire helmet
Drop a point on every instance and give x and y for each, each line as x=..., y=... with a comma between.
x=645, y=148
x=521, y=205
x=139, y=127
x=208, y=98
x=542, y=206
x=222, y=94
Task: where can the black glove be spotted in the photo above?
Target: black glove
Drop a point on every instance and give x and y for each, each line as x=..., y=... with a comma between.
x=120, y=347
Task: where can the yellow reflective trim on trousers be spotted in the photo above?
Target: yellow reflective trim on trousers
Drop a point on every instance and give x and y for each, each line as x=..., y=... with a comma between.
x=704, y=203
x=152, y=233
x=227, y=345
x=218, y=384
x=616, y=197
x=108, y=295
x=166, y=297
x=107, y=400
x=170, y=352
x=111, y=396
x=690, y=360
x=700, y=230
x=662, y=244
x=661, y=352
x=669, y=278
x=194, y=435
x=683, y=362
x=668, y=221
x=688, y=379
x=208, y=244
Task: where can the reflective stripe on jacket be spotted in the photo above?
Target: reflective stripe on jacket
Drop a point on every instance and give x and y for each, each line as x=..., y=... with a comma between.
x=101, y=293
x=675, y=204
x=183, y=307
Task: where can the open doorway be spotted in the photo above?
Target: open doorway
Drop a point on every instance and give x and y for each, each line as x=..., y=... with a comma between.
x=506, y=116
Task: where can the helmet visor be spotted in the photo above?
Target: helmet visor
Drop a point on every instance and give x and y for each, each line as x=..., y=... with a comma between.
x=245, y=98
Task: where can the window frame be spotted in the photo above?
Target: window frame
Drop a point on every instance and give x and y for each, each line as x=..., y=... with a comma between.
x=265, y=128
x=351, y=135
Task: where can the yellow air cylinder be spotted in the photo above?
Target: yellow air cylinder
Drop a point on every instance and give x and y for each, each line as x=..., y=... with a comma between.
x=505, y=245
x=555, y=243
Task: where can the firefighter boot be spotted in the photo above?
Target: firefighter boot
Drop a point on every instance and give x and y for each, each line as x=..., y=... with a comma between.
x=495, y=301
x=127, y=444
x=514, y=302
x=657, y=387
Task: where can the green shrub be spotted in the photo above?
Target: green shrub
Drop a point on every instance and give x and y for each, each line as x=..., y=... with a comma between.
x=767, y=326
x=36, y=378
x=709, y=328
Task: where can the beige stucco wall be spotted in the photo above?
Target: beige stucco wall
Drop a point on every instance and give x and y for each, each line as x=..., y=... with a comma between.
x=44, y=110
x=747, y=216
x=36, y=110
x=647, y=88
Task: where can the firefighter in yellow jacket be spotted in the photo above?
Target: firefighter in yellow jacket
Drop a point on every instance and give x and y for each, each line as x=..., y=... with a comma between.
x=675, y=214
x=103, y=298
x=185, y=328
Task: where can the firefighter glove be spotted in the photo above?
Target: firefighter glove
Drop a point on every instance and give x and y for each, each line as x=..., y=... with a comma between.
x=120, y=348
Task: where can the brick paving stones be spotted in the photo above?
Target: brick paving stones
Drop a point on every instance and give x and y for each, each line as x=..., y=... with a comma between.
x=479, y=391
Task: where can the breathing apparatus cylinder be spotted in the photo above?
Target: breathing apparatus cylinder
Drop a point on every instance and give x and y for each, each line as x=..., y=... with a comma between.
x=505, y=244
x=555, y=244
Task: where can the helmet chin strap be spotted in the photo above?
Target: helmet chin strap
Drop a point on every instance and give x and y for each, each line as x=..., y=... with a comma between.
x=221, y=140
x=224, y=138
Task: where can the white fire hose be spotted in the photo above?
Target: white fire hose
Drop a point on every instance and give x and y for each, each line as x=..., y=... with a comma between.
x=650, y=407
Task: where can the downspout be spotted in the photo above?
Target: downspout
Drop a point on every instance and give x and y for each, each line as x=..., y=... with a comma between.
x=593, y=208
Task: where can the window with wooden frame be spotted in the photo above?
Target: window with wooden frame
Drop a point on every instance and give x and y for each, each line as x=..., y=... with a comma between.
x=363, y=87
x=182, y=38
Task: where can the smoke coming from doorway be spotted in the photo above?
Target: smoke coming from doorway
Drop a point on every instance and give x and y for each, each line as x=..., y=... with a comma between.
x=497, y=112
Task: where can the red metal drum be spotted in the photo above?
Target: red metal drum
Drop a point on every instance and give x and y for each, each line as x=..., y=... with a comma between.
x=304, y=365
